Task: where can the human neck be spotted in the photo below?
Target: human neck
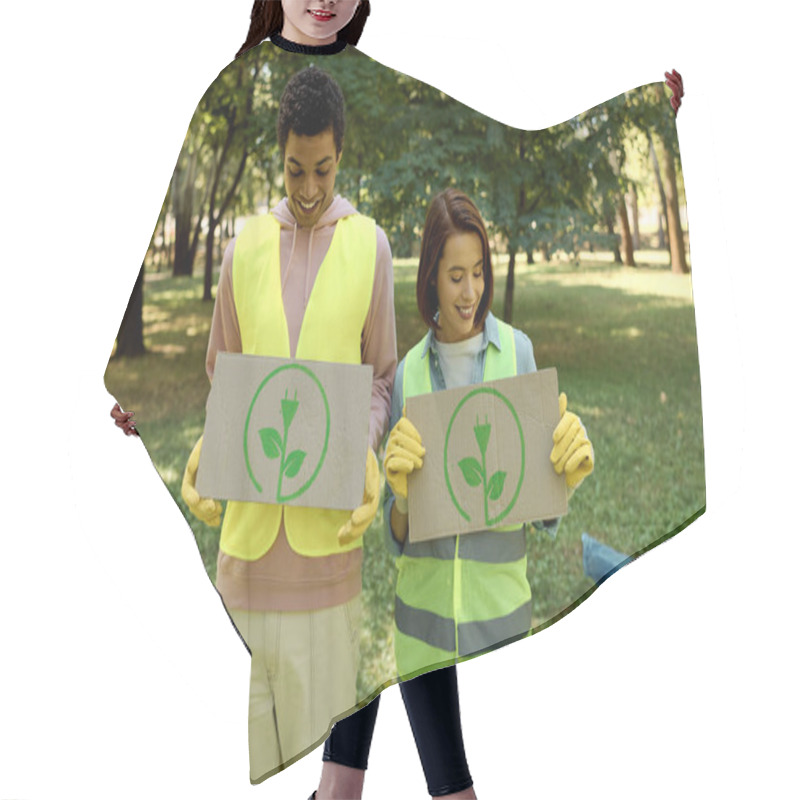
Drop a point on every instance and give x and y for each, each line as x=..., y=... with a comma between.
x=293, y=47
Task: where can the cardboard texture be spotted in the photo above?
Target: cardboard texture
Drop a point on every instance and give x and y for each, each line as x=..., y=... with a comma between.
x=286, y=431
x=487, y=457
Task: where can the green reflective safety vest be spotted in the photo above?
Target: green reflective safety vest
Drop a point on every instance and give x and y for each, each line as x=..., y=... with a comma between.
x=461, y=595
x=331, y=331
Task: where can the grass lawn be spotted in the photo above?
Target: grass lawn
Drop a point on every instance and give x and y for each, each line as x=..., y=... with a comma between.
x=624, y=343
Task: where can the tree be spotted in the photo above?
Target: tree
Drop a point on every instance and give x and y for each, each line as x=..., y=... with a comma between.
x=654, y=116
x=233, y=130
x=130, y=338
x=188, y=198
x=677, y=249
x=632, y=200
x=662, y=240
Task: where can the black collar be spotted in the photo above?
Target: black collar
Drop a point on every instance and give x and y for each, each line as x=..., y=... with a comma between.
x=309, y=50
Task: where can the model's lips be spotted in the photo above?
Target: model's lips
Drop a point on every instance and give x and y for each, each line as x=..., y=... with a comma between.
x=466, y=312
x=308, y=208
x=322, y=16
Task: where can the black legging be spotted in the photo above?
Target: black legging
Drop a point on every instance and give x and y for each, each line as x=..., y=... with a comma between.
x=431, y=702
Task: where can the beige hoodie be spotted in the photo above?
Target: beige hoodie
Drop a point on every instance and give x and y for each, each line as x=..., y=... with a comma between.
x=282, y=580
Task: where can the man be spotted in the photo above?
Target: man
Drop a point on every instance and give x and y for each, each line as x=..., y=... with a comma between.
x=312, y=280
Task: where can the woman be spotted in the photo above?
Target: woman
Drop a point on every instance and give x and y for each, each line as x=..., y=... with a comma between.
x=463, y=594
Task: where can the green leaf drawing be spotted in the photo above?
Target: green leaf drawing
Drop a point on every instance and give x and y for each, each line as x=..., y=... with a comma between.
x=289, y=409
x=482, y=434
x=294, y=462
x=271, y=442
x=471, y=470
x=496, y=484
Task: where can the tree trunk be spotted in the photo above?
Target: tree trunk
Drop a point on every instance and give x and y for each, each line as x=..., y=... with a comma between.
x=545, y=251
x=170, y=249
x=508, y=303
x=677, y=249
x=209, y=266
x=163, y=249
x=662, y=242
x=182, y=209
x=625, y=231
x=214, y=218
x=633, y=197
x=182, y=265
x=212, y=227
x=610, y=229
x=529, y=253
x=130, y=338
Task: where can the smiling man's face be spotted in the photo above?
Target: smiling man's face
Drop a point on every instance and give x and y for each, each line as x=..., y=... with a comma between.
x=309, y=173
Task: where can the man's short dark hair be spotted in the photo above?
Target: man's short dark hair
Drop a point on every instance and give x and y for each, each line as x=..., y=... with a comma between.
x=311, y=103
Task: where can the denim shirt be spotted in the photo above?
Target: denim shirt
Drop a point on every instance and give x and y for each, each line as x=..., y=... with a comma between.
x=525, y=363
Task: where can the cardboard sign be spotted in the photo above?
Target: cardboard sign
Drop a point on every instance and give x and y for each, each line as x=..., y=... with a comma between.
x=487, y=457
x=286, y=431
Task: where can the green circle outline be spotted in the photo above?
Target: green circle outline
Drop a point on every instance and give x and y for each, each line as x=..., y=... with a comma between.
x=510, y=506
x=313, y=477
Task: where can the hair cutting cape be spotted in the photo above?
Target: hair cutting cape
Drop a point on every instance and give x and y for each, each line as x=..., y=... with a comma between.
x=587, y=222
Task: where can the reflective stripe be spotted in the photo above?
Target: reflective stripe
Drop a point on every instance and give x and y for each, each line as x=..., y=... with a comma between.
x=431, y=628
x=443, y=549
x=440, y=632
x=494, y=547
x=490, y=547
x=476, y=636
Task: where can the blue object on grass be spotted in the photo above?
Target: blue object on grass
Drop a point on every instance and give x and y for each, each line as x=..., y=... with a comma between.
x=599, y=560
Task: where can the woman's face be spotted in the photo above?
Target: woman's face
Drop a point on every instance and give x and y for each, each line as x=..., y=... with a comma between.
x=459, y=286
x=315, y=22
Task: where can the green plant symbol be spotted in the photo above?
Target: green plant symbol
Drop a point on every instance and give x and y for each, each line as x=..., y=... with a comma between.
x=474, y=471
x=276, y=446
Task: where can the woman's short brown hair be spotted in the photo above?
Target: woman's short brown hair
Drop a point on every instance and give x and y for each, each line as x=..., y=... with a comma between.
x=266, y=19
x=450, y=212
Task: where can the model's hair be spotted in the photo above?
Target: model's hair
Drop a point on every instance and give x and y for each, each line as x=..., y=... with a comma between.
x=450, y=212
x=311, y=103
x=266, y=19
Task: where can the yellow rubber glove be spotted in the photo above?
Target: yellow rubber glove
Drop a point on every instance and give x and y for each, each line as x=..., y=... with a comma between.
x=362, y=516
x=572, y=451
x=404, y=452
x=204, y=508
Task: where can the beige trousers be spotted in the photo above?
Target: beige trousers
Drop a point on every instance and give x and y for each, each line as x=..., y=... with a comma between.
x=302, y=674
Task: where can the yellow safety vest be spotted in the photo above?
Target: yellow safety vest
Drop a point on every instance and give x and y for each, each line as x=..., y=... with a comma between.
x=460, y=595
x=331, y=331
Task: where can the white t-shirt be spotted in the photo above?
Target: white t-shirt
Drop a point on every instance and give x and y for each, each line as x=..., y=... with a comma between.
x=457, y=359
